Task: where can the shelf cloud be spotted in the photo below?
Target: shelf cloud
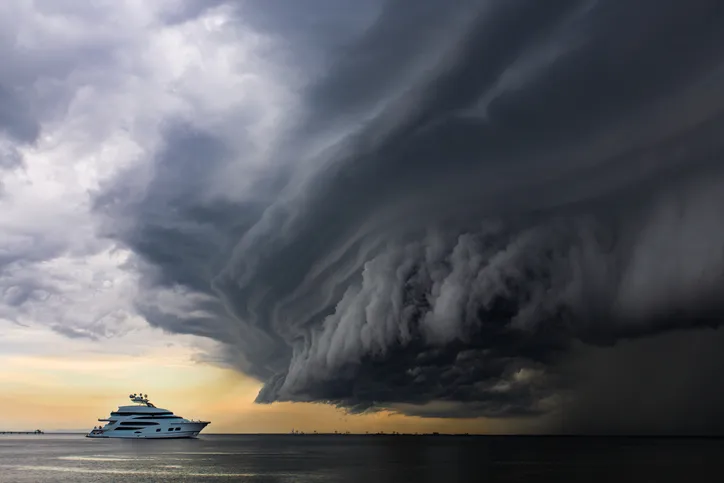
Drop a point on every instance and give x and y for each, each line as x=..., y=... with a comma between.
x=457, y=204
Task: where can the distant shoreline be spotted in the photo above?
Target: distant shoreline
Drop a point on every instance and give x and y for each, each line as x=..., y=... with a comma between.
x=465, y=435
x=419, y=435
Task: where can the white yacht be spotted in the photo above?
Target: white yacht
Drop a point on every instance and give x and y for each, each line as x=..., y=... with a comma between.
x=144, y=420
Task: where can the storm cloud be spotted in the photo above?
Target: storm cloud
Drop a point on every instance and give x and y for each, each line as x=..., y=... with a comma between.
x=453, y=198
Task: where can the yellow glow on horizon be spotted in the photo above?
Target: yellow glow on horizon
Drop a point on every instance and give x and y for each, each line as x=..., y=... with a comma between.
x=71, y=393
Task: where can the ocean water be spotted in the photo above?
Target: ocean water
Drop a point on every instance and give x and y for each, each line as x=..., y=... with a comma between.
x=370, y=459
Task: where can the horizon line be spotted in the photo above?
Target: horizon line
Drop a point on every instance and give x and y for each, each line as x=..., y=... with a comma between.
x=436, y=434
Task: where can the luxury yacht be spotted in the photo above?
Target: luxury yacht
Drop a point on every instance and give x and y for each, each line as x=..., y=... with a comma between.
x=144, y=420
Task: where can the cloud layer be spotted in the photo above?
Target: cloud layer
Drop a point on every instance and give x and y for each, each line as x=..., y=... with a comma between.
x=423, y=208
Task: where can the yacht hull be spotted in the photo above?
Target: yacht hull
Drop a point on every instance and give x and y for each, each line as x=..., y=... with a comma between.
x=187, y=430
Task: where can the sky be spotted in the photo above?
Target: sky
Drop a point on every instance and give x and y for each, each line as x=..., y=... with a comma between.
x=480, y=216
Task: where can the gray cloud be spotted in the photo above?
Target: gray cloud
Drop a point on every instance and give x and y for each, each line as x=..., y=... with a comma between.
x=74, y=333
x=468, y=194
x=65, y=119
x=14, y=117
x=10, y=157
x=45, y=65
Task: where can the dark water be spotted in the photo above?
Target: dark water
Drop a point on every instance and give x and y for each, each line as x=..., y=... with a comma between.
x=375, y=459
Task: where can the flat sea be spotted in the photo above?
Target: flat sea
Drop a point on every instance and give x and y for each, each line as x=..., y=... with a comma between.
x=369, y=459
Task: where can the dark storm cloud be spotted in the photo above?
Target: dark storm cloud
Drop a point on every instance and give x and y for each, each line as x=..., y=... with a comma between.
x=504, y=185
x=187, y=241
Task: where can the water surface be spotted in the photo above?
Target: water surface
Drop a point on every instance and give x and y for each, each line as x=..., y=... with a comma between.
x=347, y=459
